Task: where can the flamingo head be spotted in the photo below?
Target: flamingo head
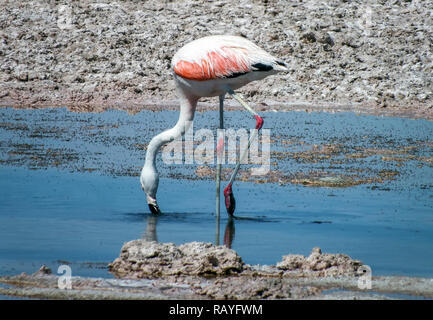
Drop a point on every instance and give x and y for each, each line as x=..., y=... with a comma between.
x=149, y=180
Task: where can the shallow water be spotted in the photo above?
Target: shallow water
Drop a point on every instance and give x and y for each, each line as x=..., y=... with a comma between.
x=70, y=192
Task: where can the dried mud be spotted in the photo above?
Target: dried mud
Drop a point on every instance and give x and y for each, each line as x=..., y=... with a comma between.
x=371, y=57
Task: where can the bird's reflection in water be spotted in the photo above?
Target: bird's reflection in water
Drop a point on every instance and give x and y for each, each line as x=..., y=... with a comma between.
x=150, y=233
x=229, y=233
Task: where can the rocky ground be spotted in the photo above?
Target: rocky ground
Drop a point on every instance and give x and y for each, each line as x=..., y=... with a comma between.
x=151, y=270
x=142, y=259
x=372, y=56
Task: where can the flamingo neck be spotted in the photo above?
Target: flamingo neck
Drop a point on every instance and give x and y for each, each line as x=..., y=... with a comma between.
x=186, y=115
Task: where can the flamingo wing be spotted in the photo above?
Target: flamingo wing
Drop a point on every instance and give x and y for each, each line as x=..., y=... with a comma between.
x=217, y=57
x=223, y=62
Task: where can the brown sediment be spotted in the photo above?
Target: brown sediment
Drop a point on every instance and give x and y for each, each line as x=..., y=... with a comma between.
x=398, y=159
x=311, y=178
x=334, y=155
x=335, y=164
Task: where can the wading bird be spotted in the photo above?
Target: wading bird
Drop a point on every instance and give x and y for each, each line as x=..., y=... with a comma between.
x=208, y=67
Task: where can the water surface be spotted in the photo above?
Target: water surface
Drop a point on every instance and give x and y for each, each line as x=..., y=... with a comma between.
x=70, y=192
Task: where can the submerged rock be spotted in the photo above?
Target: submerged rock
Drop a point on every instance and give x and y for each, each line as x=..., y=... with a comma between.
x=141, y=258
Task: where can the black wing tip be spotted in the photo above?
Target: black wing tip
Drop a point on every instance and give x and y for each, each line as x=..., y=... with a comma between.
x=236, y=74
x=262, y=67
x=281, y=63
x=257, y=67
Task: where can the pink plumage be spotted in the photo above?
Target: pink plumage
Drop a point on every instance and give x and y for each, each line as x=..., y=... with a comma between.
x=219, y=57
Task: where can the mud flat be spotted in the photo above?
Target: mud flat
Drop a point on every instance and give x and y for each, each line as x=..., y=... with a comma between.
x=197, y=270
x=372, y=57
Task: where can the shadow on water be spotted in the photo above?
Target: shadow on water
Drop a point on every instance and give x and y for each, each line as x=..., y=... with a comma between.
x=150, y=233
x=151, y=220
x=229, y=233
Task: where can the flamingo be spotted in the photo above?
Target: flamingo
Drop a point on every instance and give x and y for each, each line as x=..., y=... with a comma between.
x=208, y=67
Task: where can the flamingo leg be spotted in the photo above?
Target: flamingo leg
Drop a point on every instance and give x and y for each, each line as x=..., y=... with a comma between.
x=220, y=147
x=230, y=201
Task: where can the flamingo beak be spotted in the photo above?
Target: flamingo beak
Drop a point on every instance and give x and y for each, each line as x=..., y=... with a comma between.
x=153, y=205
x=154, y=209
x=229, y=199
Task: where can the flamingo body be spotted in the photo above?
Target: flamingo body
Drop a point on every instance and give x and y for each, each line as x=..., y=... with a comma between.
x=206, y=67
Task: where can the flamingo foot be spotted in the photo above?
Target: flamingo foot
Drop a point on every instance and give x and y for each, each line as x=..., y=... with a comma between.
x=229, y=199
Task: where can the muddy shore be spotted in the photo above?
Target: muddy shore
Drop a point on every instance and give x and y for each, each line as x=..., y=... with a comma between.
x=151, y=270
x=371, y=57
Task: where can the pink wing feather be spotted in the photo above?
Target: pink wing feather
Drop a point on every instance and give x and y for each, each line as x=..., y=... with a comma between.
x=215, y=64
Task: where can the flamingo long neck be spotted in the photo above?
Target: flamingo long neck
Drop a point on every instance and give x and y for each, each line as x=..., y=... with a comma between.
x=187, y=110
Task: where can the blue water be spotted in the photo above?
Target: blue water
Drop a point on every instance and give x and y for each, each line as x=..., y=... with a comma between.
x=75, y=198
